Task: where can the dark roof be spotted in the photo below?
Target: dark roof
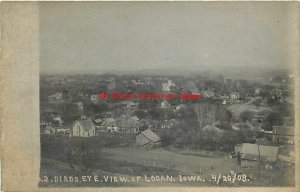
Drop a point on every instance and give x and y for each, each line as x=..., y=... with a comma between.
x=151, y=135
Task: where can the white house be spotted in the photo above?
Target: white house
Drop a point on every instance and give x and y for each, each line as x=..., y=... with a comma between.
x=83, y=128
x=234, y=95
x=49, y=130
x=165, y=104
x=95, y=99
x=166, y=86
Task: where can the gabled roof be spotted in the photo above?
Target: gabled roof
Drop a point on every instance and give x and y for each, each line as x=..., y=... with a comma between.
x=48, y=127
x=267, y=153
x=86, y=124
x=181, y=107
x=78, y=103
x=98, y=120
x=58, y=118
x=135, y=118
x=109, y=120
x=239, y=126
x=151, y=135
x=212, y=128
x=58, y=94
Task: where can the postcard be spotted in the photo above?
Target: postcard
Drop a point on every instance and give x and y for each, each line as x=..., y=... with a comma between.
x=149, y=96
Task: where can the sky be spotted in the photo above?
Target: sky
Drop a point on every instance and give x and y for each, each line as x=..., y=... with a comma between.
x=98, y=37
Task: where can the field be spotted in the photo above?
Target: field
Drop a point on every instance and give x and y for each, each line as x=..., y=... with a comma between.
x=130, y=161
x=238, y=108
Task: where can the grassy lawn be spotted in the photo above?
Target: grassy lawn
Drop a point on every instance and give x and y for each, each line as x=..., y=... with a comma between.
x=132, y=161
x=238, y=108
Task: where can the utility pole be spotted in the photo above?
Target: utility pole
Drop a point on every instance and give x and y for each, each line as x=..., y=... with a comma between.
x=258, y=162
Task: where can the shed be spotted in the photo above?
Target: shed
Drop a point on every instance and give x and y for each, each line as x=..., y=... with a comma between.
x=148, y=137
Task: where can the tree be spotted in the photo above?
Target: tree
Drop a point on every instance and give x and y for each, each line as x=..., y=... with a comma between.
x=140, y=114
x=267, y=126
x=83, y=154
x=285, y=109
x=166, y=137
x=246, y=116
x=227, y=116
x=155, y=113
x=274, y=118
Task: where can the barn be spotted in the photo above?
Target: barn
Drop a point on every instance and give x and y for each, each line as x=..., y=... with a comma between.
x=148, y=138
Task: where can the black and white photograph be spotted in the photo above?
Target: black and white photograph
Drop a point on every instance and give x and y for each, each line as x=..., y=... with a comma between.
x=166, y=94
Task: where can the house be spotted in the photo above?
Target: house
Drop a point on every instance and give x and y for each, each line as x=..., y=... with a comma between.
x=242, y=126
x=94, y=99
x=131, y=104
x=148, y=138
x=254, y=152
x=112, y=84
x=212, y=129
x=98, y=122
x=79, y=106
x=166, y=86
x=259, y=118
x=234, y=95
x=99, y=128
x=195, y=92
x=83, y=128
x=110, y=125
x=49, y=130
x=167, y=124
x=63, y=131
x=129, y=124
x=45, y=122
x=208, y=93
x=181, y=107
x=49, y=112
x=257, y=91
x=137, y=82
x=109, y=122
x=55, y=97
x=135, y=118
x=284, y=134
x=57, y=121
x=165, y=104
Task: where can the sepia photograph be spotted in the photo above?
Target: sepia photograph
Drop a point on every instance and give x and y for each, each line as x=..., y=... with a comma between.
x=167, y=94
